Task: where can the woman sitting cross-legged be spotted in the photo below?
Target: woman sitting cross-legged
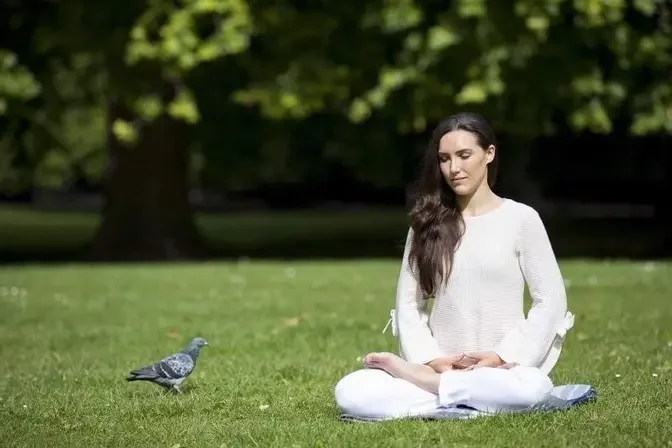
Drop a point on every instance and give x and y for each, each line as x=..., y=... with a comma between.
x=473, y=252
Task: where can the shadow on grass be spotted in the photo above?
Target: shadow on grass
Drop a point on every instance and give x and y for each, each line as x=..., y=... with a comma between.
x=29, y=236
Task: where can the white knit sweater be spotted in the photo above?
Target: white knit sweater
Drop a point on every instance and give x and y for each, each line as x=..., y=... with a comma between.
x=481, y=306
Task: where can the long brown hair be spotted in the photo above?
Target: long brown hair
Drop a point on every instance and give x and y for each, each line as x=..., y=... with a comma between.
x=436, y=220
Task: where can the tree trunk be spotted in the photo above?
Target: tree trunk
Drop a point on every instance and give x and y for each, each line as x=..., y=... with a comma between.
x=147, y=215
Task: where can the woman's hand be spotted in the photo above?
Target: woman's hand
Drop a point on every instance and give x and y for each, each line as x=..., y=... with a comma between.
x=484, y=359
x=453, y=362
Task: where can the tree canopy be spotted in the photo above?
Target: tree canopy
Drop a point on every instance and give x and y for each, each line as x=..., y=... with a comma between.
x=268, y=91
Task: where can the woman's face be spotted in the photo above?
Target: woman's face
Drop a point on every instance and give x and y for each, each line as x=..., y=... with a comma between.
x=463, y=163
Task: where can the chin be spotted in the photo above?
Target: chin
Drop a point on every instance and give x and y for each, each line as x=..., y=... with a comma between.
x=462, y=190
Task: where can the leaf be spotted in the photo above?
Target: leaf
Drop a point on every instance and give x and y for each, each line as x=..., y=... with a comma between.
x=7, y=59
x=53, y=170
x=16, y=81
x=419, y=124
x=391, y=78
x=591, y=116
x=359, y=111
x=399, y=15
x=440, y=37
x=413, y=41
x=289, y=100
x=471, y=8
x=646, y=7
x=209, y=51
x=149, y=106
x=537, y=23
x=184, y=107
x=124, y=131
x=473, y=92
x=376, y=97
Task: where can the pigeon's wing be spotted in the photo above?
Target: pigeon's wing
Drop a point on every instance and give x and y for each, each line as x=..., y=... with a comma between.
x=175, y=366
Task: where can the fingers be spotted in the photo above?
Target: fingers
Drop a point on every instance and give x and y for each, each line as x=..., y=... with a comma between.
x=453, y=359
x=508, y=365
x=487, y=362
x=449, y=363
x=465, y=361
x=476, y=366
x=485, y=359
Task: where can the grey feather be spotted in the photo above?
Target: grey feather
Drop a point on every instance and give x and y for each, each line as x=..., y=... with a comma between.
x=172, y=370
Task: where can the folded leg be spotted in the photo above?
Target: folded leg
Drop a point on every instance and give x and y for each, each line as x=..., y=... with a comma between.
x=375, y=393
x=490, y=389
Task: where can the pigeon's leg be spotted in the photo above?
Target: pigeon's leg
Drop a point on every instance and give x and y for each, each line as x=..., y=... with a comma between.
x=177, y=388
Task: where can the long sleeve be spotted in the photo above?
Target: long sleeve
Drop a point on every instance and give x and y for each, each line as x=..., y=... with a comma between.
x=416, y=341
x=529, y=342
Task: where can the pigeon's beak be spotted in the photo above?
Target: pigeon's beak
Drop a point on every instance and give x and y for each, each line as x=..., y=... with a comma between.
x=206, y=343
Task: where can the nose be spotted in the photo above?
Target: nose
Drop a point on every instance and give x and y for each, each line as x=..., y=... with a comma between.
x=454, y=167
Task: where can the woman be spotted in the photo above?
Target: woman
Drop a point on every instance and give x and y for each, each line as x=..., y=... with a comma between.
x=472, y=252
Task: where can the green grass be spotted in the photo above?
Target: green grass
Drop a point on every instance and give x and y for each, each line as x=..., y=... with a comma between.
x=281, y=336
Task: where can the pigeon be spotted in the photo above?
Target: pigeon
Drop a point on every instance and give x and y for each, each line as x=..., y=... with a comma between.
x=172, y=370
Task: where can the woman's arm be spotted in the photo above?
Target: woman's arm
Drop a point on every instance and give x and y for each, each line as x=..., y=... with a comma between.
x=529, y=342
x=412, y=317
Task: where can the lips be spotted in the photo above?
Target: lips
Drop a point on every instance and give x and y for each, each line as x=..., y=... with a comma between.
x=459, y=179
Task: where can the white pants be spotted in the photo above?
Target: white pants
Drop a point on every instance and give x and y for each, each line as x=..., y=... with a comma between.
x=373, y=393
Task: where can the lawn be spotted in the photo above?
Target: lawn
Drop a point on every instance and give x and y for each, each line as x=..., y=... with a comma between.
x=281, y=335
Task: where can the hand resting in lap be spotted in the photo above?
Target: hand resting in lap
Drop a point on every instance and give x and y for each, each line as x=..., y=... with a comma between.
x=468, y=361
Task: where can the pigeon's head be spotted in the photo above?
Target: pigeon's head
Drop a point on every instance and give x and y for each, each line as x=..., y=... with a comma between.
x=198, y=342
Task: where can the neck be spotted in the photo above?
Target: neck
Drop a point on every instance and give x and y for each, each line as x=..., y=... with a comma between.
x=193, y=350
x=478, y=202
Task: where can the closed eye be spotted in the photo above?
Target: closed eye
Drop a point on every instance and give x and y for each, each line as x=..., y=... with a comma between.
x=464, y=154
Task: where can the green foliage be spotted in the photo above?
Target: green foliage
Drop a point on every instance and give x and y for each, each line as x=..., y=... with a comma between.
x=521, y=64
x=594, y=61
x=148, y=106
x=55, y=129
x=16, y=81
x=472, y=53
x=381, y=64
x=178, y=41
x=181, y=37
x=124, y=131
x=184, y=107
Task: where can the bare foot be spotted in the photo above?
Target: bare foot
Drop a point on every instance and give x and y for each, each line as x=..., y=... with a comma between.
x=421, y=375
x=382, y=360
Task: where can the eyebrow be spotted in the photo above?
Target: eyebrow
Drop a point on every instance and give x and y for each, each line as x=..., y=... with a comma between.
x=458, y=152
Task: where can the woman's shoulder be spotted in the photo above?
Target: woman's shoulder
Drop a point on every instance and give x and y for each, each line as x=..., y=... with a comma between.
x=520, y=209
x=521, y=212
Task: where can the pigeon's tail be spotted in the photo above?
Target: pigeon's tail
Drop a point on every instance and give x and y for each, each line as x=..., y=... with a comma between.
x=144, y=373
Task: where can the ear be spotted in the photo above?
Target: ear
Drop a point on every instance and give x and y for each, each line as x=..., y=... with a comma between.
x=490, y=153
